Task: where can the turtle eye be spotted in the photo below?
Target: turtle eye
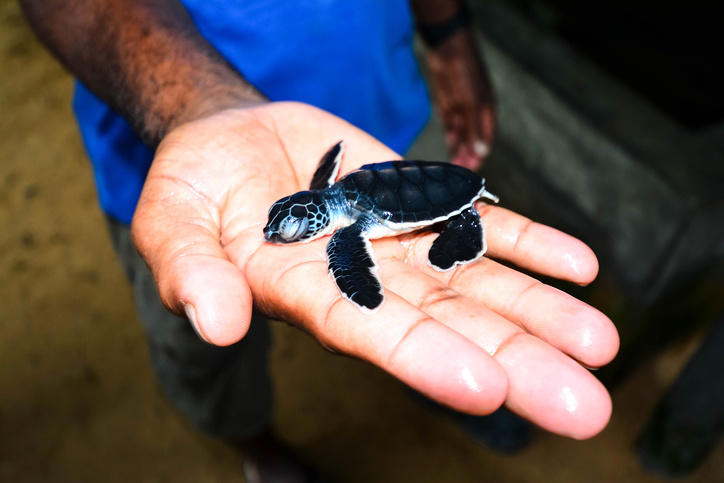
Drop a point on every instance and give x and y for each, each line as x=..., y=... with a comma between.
x=293, y=228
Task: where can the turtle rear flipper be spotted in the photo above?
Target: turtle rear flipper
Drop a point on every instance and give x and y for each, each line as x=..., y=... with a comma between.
x=328, y=168
x=461, y=241
x=352, y=266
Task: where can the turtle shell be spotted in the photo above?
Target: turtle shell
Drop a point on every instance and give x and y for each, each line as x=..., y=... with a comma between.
x=413, y=192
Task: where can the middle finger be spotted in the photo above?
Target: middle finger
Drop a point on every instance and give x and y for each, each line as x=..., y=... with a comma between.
x=545, y=386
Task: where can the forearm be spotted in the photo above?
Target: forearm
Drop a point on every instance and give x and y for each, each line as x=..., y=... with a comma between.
x=144, y=57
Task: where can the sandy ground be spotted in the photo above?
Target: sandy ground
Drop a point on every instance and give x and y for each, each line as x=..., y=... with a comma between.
x=78, y=401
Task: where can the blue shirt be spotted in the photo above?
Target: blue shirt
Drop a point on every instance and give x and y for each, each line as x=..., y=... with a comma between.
x=351, y=58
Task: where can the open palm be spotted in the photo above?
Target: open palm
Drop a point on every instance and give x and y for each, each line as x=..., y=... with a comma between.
x=472, y=338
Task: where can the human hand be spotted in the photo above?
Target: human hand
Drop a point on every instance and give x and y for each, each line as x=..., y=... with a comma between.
x=472, y=338
x=464, y=98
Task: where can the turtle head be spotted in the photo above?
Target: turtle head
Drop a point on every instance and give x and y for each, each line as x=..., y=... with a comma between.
x=300, y=217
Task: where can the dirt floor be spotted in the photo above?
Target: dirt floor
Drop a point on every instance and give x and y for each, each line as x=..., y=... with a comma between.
x=78, y=401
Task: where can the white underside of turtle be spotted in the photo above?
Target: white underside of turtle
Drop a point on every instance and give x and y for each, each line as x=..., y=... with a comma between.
x=377, y=201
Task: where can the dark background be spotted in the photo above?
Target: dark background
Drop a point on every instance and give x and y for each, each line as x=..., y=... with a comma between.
x=670, y=53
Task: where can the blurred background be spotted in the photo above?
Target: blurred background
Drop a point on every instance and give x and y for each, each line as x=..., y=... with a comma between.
x=611, y=128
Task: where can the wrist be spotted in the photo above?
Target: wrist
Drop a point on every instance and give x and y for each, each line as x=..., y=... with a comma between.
x=216, y=99
x=436, y=33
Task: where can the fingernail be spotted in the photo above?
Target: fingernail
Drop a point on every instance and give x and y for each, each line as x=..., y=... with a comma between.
x=481, y=149
x=191, y=315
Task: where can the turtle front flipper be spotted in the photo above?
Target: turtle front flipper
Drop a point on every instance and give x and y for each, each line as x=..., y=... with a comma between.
x=461, y=241
x=328, y=168
x=352, y=266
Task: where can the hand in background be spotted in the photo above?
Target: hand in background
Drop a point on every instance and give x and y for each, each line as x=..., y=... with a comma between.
x=472, y=338
x=464, y=97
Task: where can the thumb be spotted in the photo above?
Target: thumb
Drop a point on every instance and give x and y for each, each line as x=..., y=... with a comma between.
x=179, y=240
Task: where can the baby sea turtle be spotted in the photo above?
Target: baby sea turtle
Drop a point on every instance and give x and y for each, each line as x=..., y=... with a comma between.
x=379, y=200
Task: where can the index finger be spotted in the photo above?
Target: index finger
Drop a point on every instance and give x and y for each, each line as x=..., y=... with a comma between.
x=398, y=337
